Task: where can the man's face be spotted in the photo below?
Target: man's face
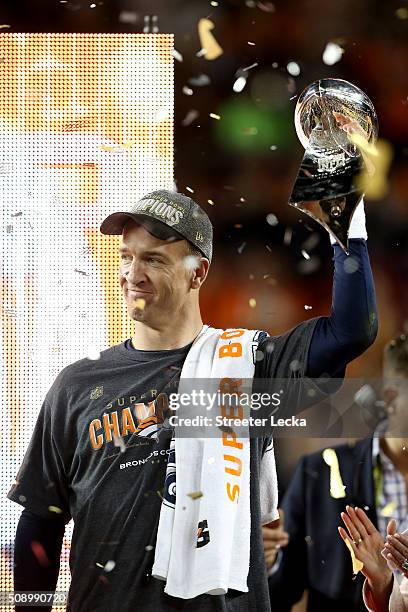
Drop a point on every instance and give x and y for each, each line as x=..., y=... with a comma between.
x=153, y=274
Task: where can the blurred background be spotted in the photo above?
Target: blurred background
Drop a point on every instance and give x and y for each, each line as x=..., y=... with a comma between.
x=237, y=153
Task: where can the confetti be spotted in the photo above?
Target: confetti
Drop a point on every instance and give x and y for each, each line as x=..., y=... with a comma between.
x=187, y=91
x=214, y=3
x=241, y=248
x=332, y=54
x=293, y=68
x=306, y=307
x=93, y=354
x=140, y=303
x=351, y=265
x=190, y=117
x=357, y=565
x=389, y=509
x=252, y=302
x=119, y=441
x=149, y=547
x=210, y=202
x=189, y=189
x=99, y=565
x=4, y=26
x=191, y=262
x=208, y=42
x=305, y=254
x=377, y=157
x=254, y=65
x=107, y=148
x=214, y=116
x=267, y=7
x=22, y=498
x=252, y=44
x=128, y=17
x=287, y=237
x=195, y=494
x=337, y=488
x=272, y=219
x=200, y=81
x=40, y=553
x=109, y=565
x=177, y=55
x=55, y=509
x=402, y=12
x=239, y=84
x=273, y=147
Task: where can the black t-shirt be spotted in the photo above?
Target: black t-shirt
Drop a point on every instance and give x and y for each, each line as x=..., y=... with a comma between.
x=93, y=457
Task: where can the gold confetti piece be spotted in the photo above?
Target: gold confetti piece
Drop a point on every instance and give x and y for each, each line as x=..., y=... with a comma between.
x=159, y=494
x=99, y=565
x=106, y=148
x=337, y=488
x=210, y=202
x=402, y=13
x=377, y=157
x=4, y=26
x=209, y=45
x=388, y=510
x=55, y=509
x=357, y=565
x=195, y=494
x=214, y=116
x=140, y=303
x=252, y=302
x=127, y=145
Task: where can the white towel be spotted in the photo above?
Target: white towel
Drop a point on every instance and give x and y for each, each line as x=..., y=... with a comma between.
x=203, y=544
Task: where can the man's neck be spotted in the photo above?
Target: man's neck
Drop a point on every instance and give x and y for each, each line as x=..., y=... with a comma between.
x=396, y=450
x=168, y=337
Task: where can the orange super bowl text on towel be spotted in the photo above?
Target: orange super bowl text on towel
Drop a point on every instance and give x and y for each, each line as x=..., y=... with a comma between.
x=229, y=439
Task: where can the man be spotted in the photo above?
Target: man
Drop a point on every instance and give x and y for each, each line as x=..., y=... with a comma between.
x=374, y=472
x=73, y=467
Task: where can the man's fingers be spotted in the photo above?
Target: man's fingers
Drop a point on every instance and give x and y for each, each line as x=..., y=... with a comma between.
x=274, y=534
x=345, y=536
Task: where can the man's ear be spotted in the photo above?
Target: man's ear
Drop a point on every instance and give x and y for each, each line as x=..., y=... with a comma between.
x=200, y=273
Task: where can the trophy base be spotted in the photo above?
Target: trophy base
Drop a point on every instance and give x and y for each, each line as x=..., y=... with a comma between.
x=334, y=214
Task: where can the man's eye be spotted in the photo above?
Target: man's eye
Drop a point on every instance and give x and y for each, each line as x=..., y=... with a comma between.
x=124, y=256
x=154, y=260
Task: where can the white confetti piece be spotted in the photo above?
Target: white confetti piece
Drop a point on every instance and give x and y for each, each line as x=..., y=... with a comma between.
x=293, y=68
x=187, y=91
x=306, y=307
x=93, y=353
x=189, y=189
x=239, y=84
x=177, y=55
x=200, y=80
x=305, y=254
x=109, y=565
x=190, y=117
x=272, y=219
x=332, y=54
x=214, y=116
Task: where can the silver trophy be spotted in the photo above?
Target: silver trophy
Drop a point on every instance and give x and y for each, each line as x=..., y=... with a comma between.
x=327, y=113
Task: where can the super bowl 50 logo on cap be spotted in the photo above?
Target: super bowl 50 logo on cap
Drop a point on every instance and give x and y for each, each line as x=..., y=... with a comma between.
x=162, y=209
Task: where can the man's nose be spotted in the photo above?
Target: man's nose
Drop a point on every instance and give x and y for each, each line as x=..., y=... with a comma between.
x=135, y=273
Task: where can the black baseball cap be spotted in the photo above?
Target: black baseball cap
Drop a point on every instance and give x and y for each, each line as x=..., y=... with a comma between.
x=167, y=215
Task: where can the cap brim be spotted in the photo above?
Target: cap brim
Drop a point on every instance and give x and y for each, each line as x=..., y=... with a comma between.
x=114, y=224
